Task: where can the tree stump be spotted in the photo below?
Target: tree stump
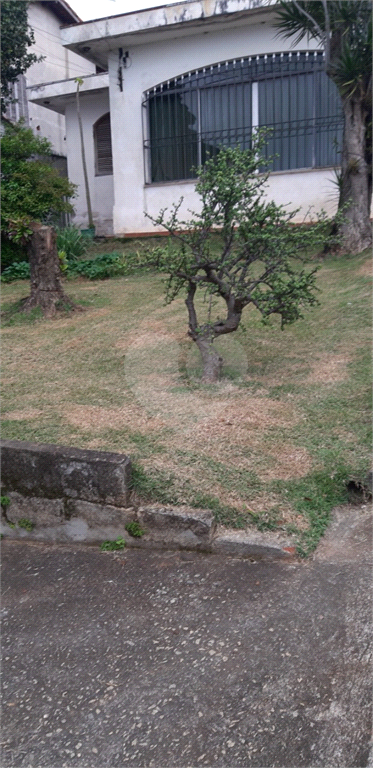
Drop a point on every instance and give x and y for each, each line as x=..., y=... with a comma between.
x=45, y=272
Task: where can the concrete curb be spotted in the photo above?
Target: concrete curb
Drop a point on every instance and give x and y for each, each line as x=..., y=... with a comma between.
x=66, y=495
x=173, y=528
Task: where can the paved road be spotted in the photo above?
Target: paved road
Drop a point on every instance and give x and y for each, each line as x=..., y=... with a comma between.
x=177, y=659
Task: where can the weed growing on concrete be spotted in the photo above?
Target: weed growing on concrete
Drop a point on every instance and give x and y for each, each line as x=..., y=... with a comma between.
x=26, y=524
x=5, y=501
x=134, y=529
x=110, y=546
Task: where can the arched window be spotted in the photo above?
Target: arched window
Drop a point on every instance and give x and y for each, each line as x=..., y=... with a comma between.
x=102, y=141
x=190, y=117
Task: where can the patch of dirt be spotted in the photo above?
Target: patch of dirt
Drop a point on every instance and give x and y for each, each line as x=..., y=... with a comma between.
x=96, y=418
x=23, y=415
x=241, y=422
x=329, y=369
x=289, y=462
x=151, y=334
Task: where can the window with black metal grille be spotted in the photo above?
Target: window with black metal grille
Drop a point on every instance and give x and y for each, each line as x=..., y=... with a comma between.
x=190, y=117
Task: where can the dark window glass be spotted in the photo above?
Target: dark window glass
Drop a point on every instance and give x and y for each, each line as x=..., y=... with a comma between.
x=102, y=140
x=192, y=116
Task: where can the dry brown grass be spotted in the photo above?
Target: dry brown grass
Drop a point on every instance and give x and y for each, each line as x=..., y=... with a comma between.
x=366, y=269
x=328, y=369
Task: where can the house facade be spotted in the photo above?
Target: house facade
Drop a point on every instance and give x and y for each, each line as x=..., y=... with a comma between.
x=46, y=17
x=182, y=81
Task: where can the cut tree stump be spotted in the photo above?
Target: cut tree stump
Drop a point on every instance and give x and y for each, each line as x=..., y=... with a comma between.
x=45, y=273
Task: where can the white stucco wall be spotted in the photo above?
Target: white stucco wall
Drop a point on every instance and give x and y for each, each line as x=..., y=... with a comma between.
x=156, y=62
x=59, y=63
x=93, y=106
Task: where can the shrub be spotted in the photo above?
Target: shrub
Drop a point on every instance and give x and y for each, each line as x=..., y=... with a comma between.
x=17, y=271
x=71, y=241
x=100, y=268
x=31, y=189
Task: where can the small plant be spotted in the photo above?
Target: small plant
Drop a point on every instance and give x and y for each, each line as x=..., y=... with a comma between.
x=5, y=501
x=17, y=271
x=110, y=546
x=134, y=529
x=26, y=524
x=64, y=264
x=19, y=229
x=71, y=242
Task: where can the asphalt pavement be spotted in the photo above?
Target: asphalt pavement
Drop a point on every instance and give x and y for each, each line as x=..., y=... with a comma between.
x=181, y=660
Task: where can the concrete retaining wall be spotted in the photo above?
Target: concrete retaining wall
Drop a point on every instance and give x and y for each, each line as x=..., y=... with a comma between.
x=70, y=495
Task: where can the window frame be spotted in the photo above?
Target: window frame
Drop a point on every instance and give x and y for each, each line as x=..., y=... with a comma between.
x=96, y=125
x=254, y=70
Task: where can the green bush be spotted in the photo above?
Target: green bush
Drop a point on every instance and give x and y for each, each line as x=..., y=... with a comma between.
x=17, y=271
x=101, y=267
x=31, y=189
x=71, y=241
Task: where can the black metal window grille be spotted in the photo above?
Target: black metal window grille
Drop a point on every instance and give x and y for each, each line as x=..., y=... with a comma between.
x=102, y=142
x=189, y=118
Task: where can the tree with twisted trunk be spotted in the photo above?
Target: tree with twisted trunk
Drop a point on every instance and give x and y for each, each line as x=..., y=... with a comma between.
x=240, y=248
x=344, y=29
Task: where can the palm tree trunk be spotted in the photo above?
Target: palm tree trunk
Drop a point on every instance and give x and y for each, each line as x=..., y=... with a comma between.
x=356, y=230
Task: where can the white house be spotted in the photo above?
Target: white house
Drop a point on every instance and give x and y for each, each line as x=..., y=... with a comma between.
x=183, y=80
x=45, y=17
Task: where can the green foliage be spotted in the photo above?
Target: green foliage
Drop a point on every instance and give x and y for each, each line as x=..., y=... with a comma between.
x=103, y=266
x=31, y=189
x=16, y=38
x=18, y=271
x=106, y=265
x=348, y=43
x=26, y=524
x=111, y=546
x=64, y=264
x=19, y=229
x=261, y=256
x=4, y=501
x=134, y=529
x=71, y=241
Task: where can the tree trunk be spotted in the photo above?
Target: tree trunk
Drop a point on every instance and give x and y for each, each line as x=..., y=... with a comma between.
x=212, y=362
x=45, y=273
x=84, y=164
x=356, y=229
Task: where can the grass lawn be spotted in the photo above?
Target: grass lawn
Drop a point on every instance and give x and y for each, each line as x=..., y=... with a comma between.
x=271, y=445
